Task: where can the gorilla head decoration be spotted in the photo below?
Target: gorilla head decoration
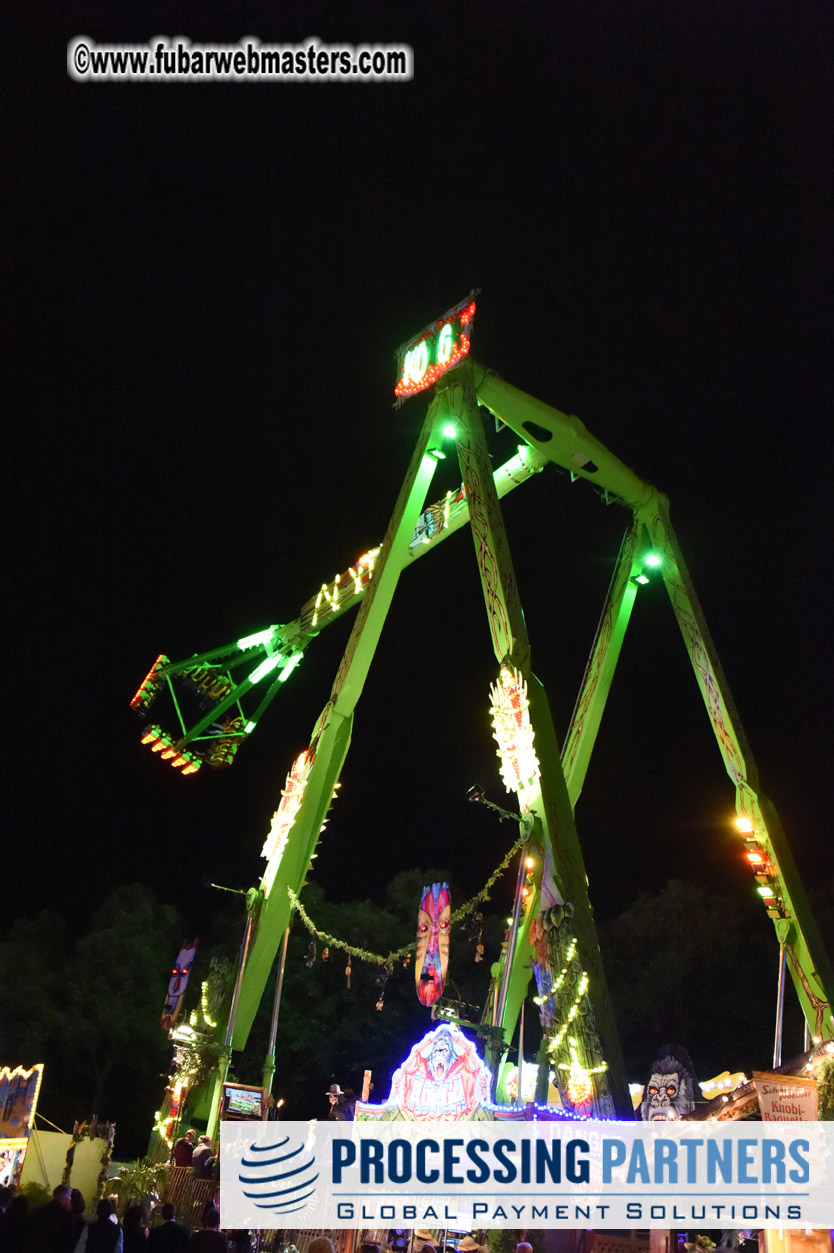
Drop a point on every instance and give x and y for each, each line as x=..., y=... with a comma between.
x=670, y=1092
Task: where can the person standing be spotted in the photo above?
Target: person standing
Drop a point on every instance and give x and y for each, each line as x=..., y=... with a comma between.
x=341, y=1109
x=184, y=1148
x=170, y=1236
x=77, y=1207
x=423, y=1241
x=210, y=1238
x=6, y=1196
x=321, y=1244
x=50, y=1228
x=103, y=1233
x=240, y=1241
x=13, y=1231
x=202, y=1159
x=135, y=1229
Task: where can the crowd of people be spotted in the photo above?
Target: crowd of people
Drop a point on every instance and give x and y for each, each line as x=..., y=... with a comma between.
x=404, y=1241
x=60, y=1227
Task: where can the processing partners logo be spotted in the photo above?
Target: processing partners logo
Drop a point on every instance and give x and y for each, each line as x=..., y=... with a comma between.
x=546, y=1175
x=279, y=1176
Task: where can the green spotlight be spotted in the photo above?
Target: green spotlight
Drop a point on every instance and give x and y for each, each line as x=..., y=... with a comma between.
x=652, y=560
x=449, y=431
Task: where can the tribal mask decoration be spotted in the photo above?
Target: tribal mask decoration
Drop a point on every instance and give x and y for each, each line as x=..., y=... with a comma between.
x=434, y=919
x=178, y=983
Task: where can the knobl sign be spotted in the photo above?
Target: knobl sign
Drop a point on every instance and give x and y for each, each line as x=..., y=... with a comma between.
x=526, y=1174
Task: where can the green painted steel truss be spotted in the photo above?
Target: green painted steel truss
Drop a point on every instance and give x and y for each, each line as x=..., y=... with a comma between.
x=221, y=682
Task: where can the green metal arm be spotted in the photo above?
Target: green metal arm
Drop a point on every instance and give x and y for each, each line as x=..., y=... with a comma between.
x=332, y=734
x=283, y=644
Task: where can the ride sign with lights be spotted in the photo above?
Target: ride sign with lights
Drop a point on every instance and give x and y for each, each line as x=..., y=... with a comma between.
x=438, y=347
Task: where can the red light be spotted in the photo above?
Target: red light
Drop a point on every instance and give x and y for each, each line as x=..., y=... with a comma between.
x=433, y=372
x=158, y=746
x=146, y=682
x=192, y=767
x=755, y=859
x=150, y=736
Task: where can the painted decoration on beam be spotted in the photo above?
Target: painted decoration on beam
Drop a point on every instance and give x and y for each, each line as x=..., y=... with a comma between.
x=332, y=597
x=439, y=346
x=578, y=1085
x=292, y=795
x=513, y=730
x=178, y=983
x=670, y=1092
x=433, y=924
x=436, y=518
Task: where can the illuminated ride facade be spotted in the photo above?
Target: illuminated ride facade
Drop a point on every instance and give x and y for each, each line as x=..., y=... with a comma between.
x=19, y=1091
x=552, y=929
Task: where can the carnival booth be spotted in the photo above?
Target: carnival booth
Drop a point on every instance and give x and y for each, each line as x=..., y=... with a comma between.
x=19, y=1090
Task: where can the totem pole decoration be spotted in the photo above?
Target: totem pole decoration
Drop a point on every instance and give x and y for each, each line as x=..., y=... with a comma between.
x=178, y=983
x=433, y=923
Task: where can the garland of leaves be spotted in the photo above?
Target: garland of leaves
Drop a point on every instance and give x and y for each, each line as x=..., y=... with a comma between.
x=825, y=1089
x=90, y=1130
x=377, y=959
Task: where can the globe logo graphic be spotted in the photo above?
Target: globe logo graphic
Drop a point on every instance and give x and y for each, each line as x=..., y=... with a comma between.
x=278, y=1177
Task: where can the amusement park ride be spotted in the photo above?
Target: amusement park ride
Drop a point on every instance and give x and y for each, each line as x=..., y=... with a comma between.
x=218, y=697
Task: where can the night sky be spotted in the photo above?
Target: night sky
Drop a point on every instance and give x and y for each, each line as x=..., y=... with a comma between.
x=208, y=284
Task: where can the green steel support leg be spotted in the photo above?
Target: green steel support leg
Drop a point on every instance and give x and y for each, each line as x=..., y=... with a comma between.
x=548, y=798
x=599, y=673
x=225, y=1058
x=807, y=959
x=223, y=1063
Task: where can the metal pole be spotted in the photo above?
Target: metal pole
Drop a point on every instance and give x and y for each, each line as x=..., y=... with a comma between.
x=225, y=1057
x=520, y=1097
x=269, y=1060
x=244, y=953
x=780, y=1008
x=508, y=956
